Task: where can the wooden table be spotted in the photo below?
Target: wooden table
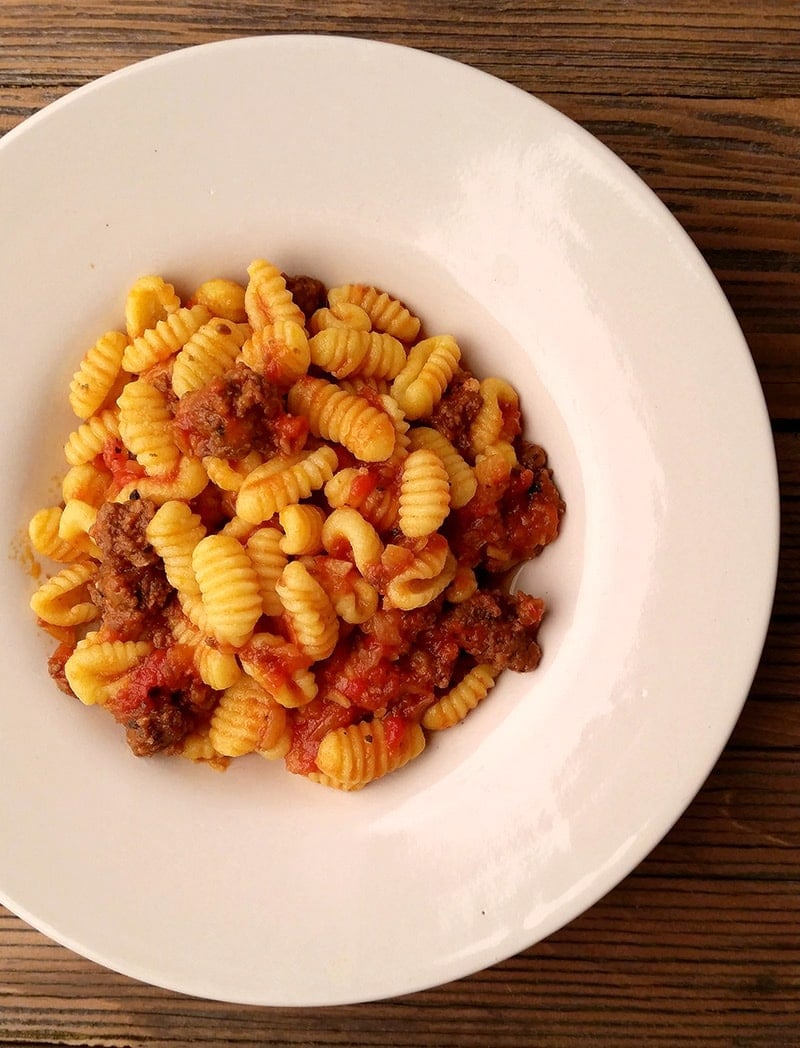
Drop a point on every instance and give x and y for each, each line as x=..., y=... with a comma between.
x=700, y=946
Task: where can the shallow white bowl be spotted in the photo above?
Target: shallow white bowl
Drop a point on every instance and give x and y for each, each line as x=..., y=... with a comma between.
x=504, y=223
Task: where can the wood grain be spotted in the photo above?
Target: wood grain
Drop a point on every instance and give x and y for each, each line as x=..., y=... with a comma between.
x=700, y=945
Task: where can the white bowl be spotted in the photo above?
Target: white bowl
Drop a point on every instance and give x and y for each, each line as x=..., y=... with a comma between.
x=506, y=224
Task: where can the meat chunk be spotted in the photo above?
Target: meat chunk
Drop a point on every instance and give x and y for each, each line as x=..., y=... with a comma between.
x=501, y=526
x=130, y=588
x=499, y=629
x=131, y=600
x=161, y=728
x=236, y=414
x=308, y=293
x=120, y=532
x=454, y=413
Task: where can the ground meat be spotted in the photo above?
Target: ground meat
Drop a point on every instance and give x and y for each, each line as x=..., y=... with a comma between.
x=130, y=588
x=234, y=415
x=454, y=413
x=501, y=527
x=120, y=532
x=162, y=701
x=163, y=727
x=131, y=601
x=499, y=629
x=308, y=293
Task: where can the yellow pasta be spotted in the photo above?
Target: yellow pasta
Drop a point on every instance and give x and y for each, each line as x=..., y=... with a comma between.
x=229, y=475
x=63, y=600
x=88, y=482
x=186, y=482
x=150, y=300
x=207, y=355
x=280, y=352
x=43, y=531
x=267, y=557
x=385, y=313
x=346, y=533
x=344, y=351
x=340, y=315
x=431, y=571
x=312, y=619
x=453, y=707
x=345, y=418
x=246, y=719
x=229, y=588
x=302, y=529
x=267, y=298
x=283, y=480
x=223, y=298
x=77, y=520
x=88, y=440
x=158, y=343
x=361, y=753
x=197, y=747
x=431, y=364
x=424, y=494
x=354, y=599
x=216, y=668
x=95, y=668
x=145, y=425
x=95, y=378
x=493, y=465
x=463, y=483
x=174, y=532
x=377, y=503
x=265, y=658
x=497, y=419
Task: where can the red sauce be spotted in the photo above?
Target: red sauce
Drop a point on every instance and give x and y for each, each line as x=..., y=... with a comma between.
x=122, y=467
x=311, y=724
x=164, y=670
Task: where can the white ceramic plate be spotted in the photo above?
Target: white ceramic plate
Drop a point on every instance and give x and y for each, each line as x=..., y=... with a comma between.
x=499, y=220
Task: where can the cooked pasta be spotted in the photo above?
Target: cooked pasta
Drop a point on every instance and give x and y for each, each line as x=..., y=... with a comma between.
x=343, y=351
x=385, y=313
x=283, y=480
x=95, y=378
x=453, y=707
x=424, y=494
x=207, y=355
x=364, y=752
x=222, y=298
x=64, y=599
x=145, y=427
x=311, y=617
x=150, y=300
x=264, y=547
x=431, y=364
x=158, y=343
x=284, y=527
x=229, y=589
x=345, y=418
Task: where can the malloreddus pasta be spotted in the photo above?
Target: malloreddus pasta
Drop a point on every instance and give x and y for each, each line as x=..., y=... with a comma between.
x=285, y=527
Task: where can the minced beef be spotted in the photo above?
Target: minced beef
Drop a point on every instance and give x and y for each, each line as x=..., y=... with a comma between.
x=501, y=527
x=308, y=293
x=130, y=588
x=236, y=414
x=454, y=413
x=498, y=628
x=154, y=730
x=120, y=531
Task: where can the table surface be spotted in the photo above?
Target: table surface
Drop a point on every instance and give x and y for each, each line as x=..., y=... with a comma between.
x=700, y=946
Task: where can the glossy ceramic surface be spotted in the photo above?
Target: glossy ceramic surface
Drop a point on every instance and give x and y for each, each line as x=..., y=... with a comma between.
x=502, y=222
